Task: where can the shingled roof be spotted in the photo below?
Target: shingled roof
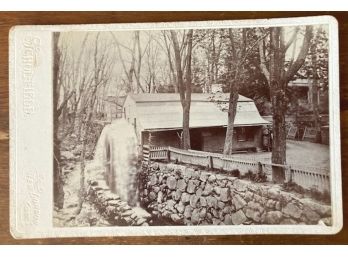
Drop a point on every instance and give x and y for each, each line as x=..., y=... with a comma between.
x=164, y=111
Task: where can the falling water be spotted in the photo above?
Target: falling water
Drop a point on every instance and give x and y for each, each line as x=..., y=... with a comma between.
x=117, y=152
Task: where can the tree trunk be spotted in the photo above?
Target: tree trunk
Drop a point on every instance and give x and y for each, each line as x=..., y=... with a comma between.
x=278, y=77
x=187, y=102
x=232, y=110
x=184, y=86
x=279, y=137
x=58, y=181
x=315, y=93
x=186, y=127
x=278, y=86
x=234, y=88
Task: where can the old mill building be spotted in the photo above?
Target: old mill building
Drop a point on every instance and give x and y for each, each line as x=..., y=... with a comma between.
x=157, y=119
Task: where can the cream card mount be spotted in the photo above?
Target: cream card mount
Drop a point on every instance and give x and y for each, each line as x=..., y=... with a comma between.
x=185, y=128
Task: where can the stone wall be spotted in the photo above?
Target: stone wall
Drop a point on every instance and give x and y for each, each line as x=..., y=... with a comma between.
x=180, y=195
x=112, y=208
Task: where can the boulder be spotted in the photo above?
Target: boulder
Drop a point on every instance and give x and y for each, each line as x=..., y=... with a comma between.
x=196, y=174
x=193, y=201
x=181, y=185
x=180, y=207
x=258, y=198
x=292, y=210
x=270, y=204
x=217, y=190
x=203, y=201
x=195, y=217
x=253, y=214
x=176, y=218
x=255, y=206
x=191, y=186
x=222, y=182
x=322, y=209
x=216, y=221
x=278, y=206
x=140, y=222
x=215, y=213
x=212, y=178
x=224, y=194
x=274, y=193
x=238, y=217
x=185, y=197
x=208, y=189
x=177, y=195
x=273, y=217
x=155, y=166
x=199, y=192
x=238, y=202
x=188, y=211
x=170, y=204
x=228, y=219
x=203, y=177
x=188, y=173
x=153, y=179
x=220, y=205
x=253, y=188
x=248, y=196
x=160, y=197
x=227, y=209
x=171, y=182
x=152, y=196
x=311, y=215
x=285, y=197
x=211, y=201
x=203, y=213
x=240, y=185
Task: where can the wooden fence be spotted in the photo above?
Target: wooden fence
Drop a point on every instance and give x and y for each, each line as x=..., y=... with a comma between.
x=306, y=177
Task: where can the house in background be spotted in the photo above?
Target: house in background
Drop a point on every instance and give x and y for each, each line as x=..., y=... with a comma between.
x=157, y=120
x=113, y=107
x=303, y=88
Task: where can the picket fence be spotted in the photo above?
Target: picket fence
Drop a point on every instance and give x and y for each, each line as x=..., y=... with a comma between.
x=306, y=177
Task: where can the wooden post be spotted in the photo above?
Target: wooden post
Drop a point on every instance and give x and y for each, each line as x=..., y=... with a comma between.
x=210, y=162
x=259, y=168
x=168, y=154
x=288, y=174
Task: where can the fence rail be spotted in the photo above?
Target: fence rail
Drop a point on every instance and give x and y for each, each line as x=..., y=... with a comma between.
x=306, y=177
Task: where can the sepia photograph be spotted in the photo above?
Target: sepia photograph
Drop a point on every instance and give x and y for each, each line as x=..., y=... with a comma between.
x=192, y=127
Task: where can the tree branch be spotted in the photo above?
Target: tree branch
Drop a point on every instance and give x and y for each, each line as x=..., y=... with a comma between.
x=302, y=55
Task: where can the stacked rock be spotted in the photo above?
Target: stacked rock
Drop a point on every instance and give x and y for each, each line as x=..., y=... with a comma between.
x=183, y=195
x=110, y=206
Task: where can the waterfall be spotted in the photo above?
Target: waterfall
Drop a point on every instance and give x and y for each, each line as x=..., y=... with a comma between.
x=117, y=152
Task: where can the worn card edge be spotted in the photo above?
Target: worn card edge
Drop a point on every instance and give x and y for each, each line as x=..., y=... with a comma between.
x=335, y=153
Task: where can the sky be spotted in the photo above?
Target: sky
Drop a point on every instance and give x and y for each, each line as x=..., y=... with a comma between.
x=72, y=42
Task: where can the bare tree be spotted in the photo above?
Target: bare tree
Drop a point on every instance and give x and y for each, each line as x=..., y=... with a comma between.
x=172, y=76
x=278, y=74
x=102, y=68
x=238, y=54
x=136, y=58
x=233, y=81
x=58, y=181
x=184, y=85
